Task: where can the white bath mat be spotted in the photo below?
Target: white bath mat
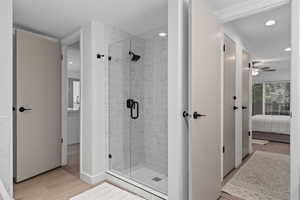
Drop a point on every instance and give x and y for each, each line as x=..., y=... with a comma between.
x=265, y=176
x=261, y=142
x=106, y=191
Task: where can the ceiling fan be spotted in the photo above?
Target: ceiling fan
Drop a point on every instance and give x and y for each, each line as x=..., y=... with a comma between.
x=260, y=66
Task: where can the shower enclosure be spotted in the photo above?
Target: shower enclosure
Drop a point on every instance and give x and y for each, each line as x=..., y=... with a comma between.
x=137, y=107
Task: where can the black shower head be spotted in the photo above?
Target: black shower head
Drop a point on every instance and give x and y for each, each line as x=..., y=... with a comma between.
x=134, y=57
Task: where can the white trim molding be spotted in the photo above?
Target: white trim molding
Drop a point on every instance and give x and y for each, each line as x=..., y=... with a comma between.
x=247, y=8
x=93, y=179
x=295, y=101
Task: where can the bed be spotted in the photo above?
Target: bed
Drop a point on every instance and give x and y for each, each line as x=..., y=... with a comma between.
x=271, y=127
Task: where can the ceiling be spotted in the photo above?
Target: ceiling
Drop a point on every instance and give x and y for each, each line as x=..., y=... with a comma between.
x=267, y=43
x=221, y=4
x=59, y=18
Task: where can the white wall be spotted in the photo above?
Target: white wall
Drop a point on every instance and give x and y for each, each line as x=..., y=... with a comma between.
x=177, y=99
x=6, y=89
x=95, y=39
x=73, y=55
x=73, y=127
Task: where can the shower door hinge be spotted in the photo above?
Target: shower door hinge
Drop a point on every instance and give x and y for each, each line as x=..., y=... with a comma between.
x=109, y=156
x=249, y=133
x=99, y=56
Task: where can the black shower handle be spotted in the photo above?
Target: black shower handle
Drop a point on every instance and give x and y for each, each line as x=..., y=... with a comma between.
x=135, y=105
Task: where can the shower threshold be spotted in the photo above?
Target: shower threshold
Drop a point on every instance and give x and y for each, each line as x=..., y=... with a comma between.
x=135, y=187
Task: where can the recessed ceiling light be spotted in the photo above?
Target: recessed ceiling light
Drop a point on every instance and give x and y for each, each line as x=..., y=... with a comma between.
x=70, y=62
x=162, y=34
x=288, y=49
x=270, y=22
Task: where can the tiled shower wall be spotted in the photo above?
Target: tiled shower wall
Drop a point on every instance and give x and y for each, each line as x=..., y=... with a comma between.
x=156, y=104
x=142, y=142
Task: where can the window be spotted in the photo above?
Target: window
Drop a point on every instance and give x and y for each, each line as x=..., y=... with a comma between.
x=277, y=98
x=74, y=94
x=257, y=99
x=271, y=98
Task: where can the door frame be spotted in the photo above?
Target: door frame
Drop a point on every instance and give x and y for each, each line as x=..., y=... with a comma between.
x=295, y=100
x=257, y=6
x=65, y=42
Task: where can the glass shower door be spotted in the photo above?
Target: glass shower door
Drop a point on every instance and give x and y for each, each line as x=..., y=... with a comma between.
x=119, y=122
x=149, y=133
x=137, y=91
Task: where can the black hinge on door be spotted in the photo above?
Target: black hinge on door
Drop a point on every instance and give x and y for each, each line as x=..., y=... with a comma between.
x=62, y=140
x=234, y=97
x=249, y=65
x=109, y=156
x=223, y=149
x=62, y=57
x=109, y=58
x=249, y=133
x=224, y=47
x=99, y=56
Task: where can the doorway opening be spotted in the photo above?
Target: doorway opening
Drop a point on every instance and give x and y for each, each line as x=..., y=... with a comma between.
x=261, y=122
x=73, y=95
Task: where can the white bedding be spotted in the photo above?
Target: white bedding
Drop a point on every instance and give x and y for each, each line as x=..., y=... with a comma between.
x=271, y=124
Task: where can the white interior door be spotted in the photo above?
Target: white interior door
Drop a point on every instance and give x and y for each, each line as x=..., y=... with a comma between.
x=229, y=108
x=38, y=89
x=205, y=99
x=245, y=102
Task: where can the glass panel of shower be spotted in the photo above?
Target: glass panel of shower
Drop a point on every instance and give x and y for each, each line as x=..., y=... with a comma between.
x=137, y=92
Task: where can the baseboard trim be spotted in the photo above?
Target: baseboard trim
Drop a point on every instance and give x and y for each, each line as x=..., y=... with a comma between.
x=93, y=179
x=134, y=187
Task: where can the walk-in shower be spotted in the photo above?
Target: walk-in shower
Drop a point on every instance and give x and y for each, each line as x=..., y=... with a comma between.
x=137, y=103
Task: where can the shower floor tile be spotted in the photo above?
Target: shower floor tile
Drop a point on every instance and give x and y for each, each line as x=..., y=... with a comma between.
x=151, y=179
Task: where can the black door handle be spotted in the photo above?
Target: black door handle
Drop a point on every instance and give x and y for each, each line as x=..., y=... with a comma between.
x=244, y=107
x=22, y=109
x=235, y=107
x=197, y=115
